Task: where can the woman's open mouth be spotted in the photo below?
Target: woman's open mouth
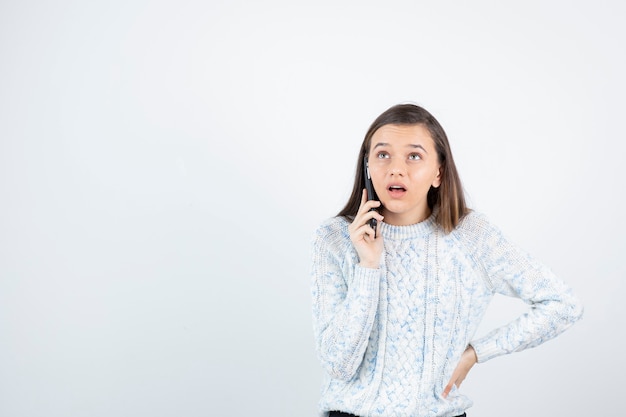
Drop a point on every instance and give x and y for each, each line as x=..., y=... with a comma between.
x=396, y=191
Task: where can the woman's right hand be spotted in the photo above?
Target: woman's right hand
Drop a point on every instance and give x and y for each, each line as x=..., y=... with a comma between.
x=368, y=244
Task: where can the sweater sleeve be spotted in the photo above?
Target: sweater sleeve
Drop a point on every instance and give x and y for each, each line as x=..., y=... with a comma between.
x=345, y=300
x=510, y=271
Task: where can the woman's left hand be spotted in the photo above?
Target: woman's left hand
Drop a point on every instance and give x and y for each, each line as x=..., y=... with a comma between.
x=468, y=359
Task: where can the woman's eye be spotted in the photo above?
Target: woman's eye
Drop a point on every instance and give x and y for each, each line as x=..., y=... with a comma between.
x=414, y=157
x=382, y=155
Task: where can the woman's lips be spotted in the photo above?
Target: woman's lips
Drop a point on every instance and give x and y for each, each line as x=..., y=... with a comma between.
x=396, y=191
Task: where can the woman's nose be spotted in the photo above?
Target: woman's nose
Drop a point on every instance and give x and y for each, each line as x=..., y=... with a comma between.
x=397, y=168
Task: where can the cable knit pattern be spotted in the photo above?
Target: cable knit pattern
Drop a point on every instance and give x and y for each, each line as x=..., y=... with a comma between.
x=390, y=338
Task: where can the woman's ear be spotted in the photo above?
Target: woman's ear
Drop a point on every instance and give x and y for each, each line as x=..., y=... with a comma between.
x=437, y=180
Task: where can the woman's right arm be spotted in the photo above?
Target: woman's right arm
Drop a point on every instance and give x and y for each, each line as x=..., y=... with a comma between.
x=345, y=300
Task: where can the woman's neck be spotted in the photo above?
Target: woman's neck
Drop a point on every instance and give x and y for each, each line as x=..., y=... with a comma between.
x=406, y=219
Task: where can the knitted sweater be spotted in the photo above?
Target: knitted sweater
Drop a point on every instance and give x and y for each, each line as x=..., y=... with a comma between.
x=390, y=338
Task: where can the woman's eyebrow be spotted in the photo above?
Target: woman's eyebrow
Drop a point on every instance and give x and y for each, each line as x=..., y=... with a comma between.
x=417, y=146
x=410, y=145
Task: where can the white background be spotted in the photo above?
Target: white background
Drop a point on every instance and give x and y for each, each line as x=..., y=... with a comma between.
x=163, y=165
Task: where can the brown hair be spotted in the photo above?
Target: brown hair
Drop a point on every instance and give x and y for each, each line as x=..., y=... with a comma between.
x=448, y=196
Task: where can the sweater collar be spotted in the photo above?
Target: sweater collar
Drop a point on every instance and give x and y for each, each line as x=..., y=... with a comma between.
x=411, y=231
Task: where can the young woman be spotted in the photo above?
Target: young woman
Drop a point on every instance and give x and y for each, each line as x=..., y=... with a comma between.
x=396, y=308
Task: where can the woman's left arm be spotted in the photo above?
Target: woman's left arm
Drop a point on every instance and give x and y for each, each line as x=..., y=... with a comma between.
x=512, y=272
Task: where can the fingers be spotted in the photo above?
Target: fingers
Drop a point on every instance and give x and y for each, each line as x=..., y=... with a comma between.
x=455, y=381
x=361, y=224
x=447, y=390
x=367, y=232
x=367, y=241
x=468, y=359
x=362, y=227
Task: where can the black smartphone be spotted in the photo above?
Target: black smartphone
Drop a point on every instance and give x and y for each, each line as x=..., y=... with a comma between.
x=371, y=194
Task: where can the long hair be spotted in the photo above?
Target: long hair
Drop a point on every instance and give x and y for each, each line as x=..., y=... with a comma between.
x=448, y=196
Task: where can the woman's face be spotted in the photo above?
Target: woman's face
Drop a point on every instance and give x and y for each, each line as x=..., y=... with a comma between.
x=403, y=165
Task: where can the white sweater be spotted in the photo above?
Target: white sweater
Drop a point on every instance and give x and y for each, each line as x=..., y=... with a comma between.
x=390, y=338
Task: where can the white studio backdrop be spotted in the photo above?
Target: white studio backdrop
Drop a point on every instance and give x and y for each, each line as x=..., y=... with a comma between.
x=163, y=166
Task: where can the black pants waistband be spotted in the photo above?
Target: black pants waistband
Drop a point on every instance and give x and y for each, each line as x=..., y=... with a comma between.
x=342, y=414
